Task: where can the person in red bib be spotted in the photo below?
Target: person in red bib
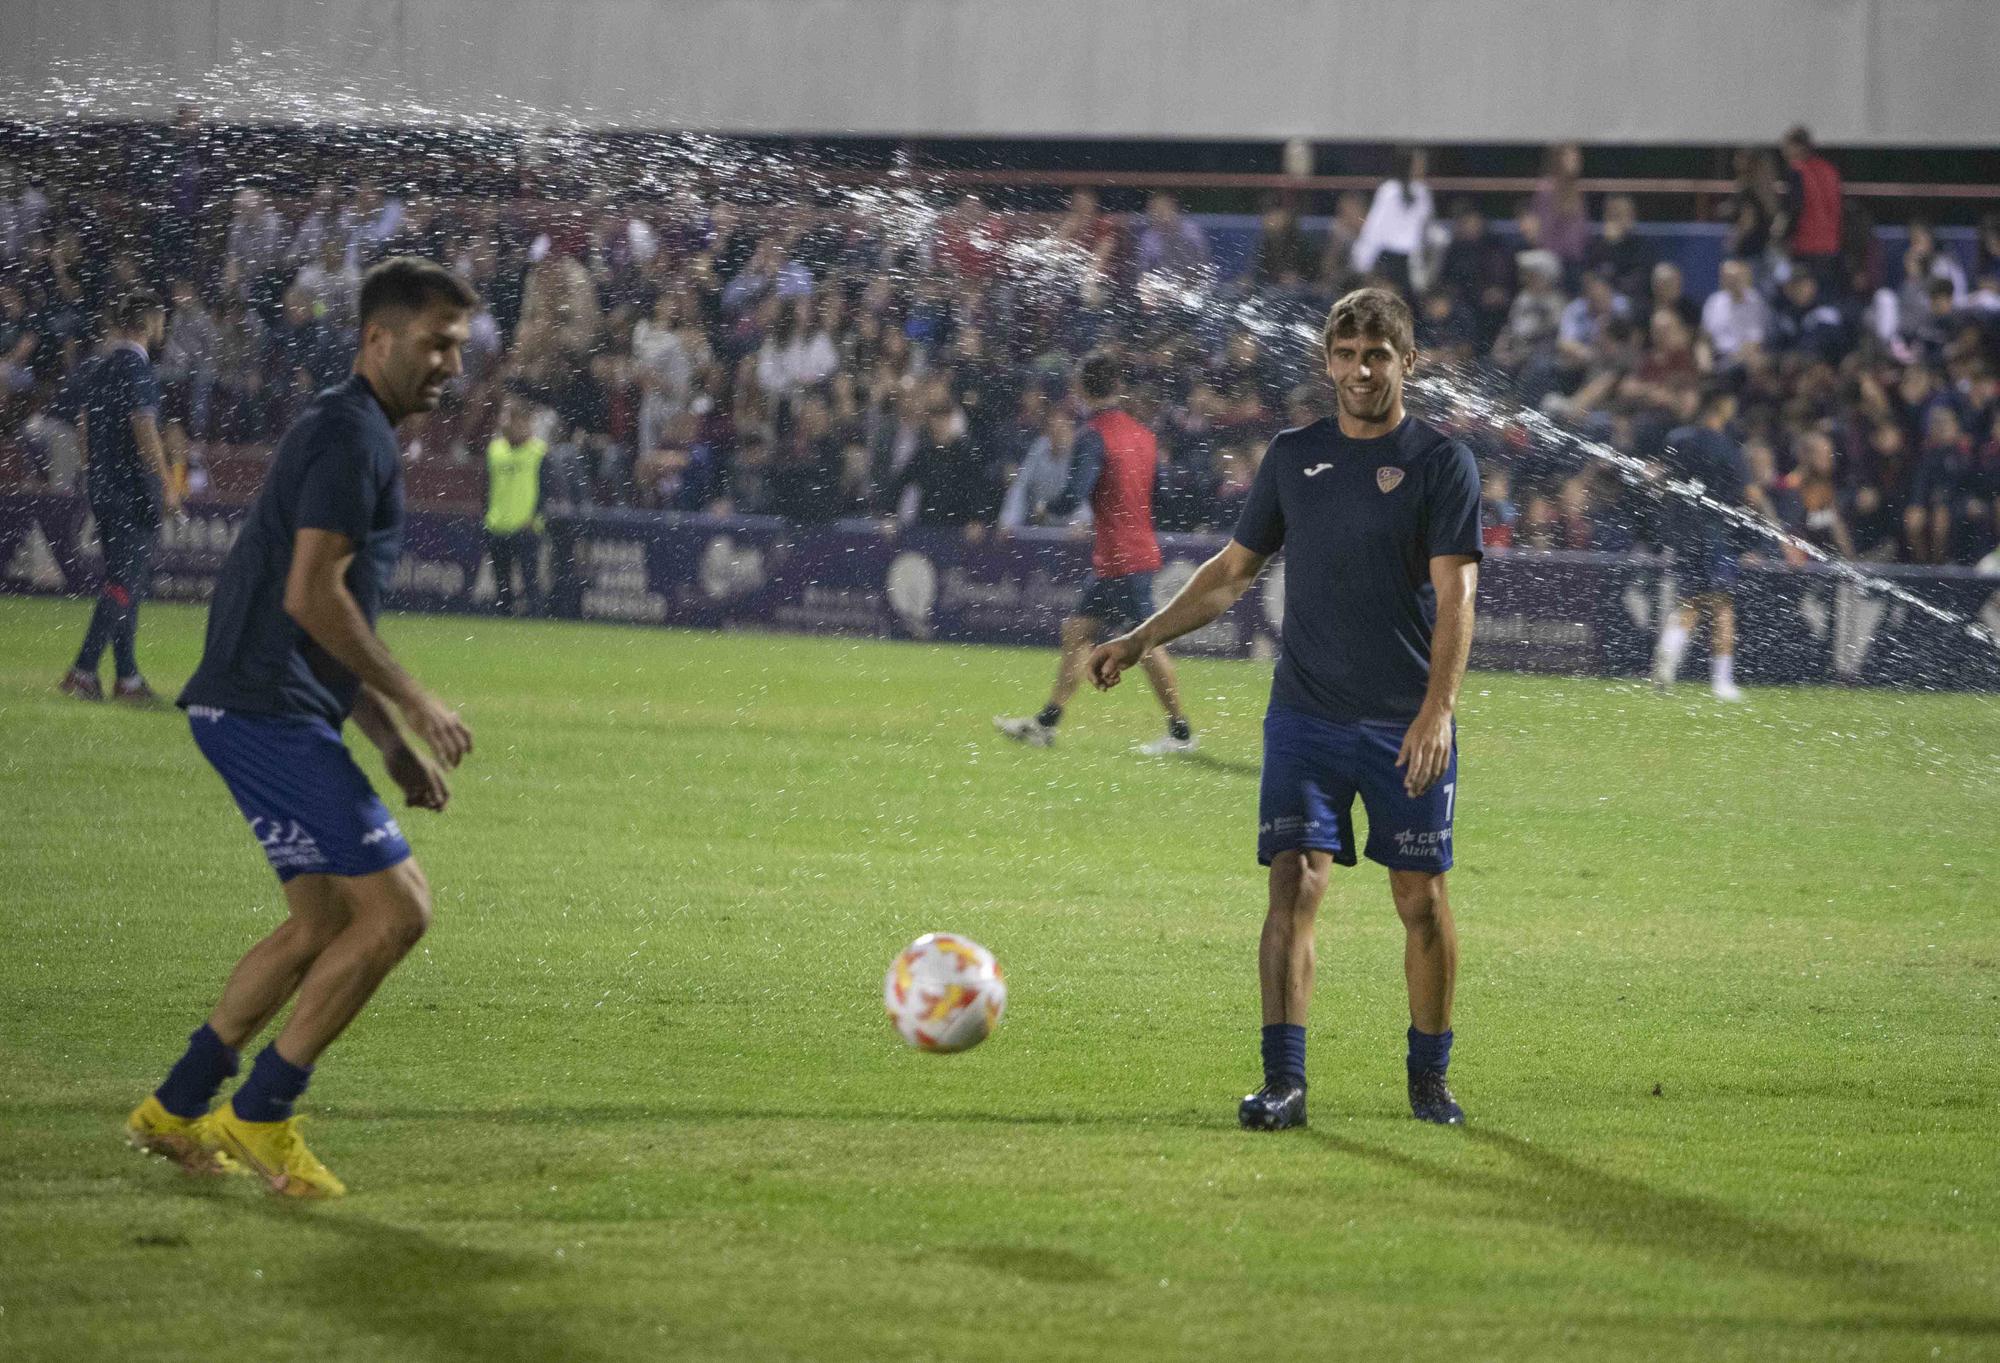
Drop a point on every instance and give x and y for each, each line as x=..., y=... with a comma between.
x=1112, y=469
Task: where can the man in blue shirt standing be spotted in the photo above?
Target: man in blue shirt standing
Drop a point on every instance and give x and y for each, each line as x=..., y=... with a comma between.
x=115, y=400
x=1379, y=515
x=291, y=654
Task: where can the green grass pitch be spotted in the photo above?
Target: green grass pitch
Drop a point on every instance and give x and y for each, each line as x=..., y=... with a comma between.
x=1727, y=1017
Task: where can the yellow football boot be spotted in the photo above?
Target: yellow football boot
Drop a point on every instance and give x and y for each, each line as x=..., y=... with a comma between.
x=184, y=1140
x=274, y=1152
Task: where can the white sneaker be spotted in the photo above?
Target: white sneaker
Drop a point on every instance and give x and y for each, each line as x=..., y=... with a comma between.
x=1027, y=729
x=1167, y=746
x=1728, y=691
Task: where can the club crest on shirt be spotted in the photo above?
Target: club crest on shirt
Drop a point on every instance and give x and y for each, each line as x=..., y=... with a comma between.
x=1387, y=478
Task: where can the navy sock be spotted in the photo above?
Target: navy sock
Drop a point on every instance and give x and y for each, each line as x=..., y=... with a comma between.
x=103, y=620
x=1284, y=1053
x=1049, y=716
x=1429, y=1052
x=197, y=1076
x=1179, y=728
x=275, y=1083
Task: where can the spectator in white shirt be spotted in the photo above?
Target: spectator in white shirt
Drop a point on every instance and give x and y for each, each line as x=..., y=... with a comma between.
x=1392, y=240
x=1735, y=317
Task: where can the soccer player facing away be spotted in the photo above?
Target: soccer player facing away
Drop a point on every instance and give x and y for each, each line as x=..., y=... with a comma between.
x=291, y=654
x=1703, y=542
x=116, y=400
x=1378, y=514
x=1113, y=467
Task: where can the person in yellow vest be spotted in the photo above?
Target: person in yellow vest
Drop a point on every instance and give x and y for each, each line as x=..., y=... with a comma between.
x=514, y=504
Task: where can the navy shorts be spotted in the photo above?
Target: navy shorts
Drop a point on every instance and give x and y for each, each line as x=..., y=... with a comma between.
x=1126, y=600
x=1313, y=769
x=308, y=804
x=1706, y=572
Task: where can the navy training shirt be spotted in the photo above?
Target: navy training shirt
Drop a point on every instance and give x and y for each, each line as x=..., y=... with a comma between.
x=110, y=389
x=1360, y=522
x=336, y=469
x=1702, y=454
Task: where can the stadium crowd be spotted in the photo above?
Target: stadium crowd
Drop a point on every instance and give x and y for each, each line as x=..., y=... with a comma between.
x=817, y=360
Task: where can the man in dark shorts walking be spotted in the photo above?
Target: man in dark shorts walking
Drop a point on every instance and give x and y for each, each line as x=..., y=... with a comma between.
x=1378, y=513
x=116, y=402
x=1113, y=467
x=291, y=654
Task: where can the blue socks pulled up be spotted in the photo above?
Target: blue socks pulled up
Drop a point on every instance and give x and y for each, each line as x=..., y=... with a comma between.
x=1284, y=1053
x=1429, y=1052
x=275, y=1083
x=196, y=1078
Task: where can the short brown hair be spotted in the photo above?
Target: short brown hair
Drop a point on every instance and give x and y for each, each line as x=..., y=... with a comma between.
x=411, y=284
x=1380, y=313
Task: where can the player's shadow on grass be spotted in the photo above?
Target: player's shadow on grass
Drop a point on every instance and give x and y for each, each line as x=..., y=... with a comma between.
x=1227, y=765
x=1601, y=1206
x=443, y=1300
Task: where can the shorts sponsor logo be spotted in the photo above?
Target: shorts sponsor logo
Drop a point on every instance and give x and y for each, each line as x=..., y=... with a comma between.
x=1388, y=479
x=1287, y=825
x=386, y=832
x=1423, y=846
x=207, y=712
x=286, y=844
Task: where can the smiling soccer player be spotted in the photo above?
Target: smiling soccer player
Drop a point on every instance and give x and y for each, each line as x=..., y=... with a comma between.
x=1378, y=513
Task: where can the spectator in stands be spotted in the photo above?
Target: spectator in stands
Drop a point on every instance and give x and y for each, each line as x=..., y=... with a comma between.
x=18, y=340
x=1933, y=262
x=1480, y=269
x=1044, y=473
x=971, y=241
x=1669, y=291
x=330, y=284
x=1086, y=227
x=1935, y=524
x=1559, y=207
x=1810, y=221
x=1806, y=325
x=1526, y=347
x=1815, y=498
x=1447, y=330
x=1581, y=333
x=805, y=479
x=1285, y=256
x=953, y=485
x=1619, y=251
x=1735, y=317
x=256, y=244
x=665, y=353
x=1171, y=242
x=1336, y=261
x=1497, y=511
x=1393, y=239
x=188, y=361
x=1753, y=209
x=314, y=353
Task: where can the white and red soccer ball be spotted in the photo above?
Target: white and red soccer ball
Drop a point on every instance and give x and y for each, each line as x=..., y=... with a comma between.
x=944, y=993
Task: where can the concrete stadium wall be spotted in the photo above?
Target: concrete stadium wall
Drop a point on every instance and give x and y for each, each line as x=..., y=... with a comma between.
x=1859, y=71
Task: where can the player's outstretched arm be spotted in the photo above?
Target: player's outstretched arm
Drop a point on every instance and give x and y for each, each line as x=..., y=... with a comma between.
x=1213, y=589
x=316, y=596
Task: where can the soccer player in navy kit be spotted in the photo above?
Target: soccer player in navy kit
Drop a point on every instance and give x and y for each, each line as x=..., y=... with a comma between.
x=116, y=402
x=1379, y=516
x=291, y=654
x=1704, y=544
